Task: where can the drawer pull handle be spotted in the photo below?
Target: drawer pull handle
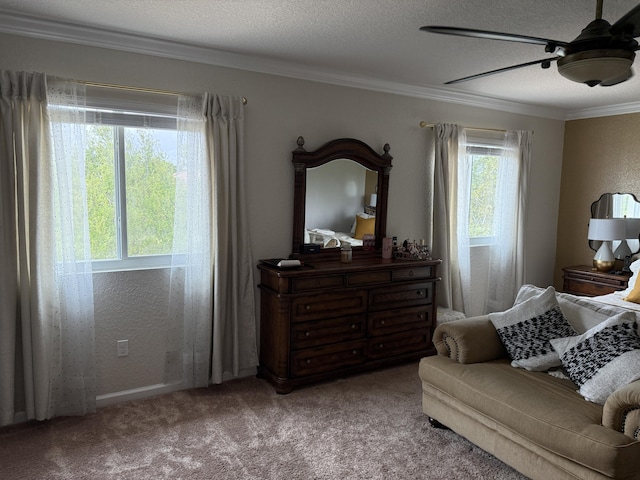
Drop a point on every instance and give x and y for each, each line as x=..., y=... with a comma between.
x=421, y=316
x=306, y=334
x=420, y=293
x=353, y=326
x=308, y=307
x=411, y=273
x=308, y=361
x=355, y=352
x=381, y=322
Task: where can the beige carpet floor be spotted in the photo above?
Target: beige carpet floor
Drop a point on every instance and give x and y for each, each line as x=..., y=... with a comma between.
x=369, y=426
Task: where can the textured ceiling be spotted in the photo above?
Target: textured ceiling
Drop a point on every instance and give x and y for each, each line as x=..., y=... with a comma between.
x=373, y=40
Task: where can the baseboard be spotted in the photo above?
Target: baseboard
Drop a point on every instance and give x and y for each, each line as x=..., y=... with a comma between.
x=137, y=393
x=157, y=389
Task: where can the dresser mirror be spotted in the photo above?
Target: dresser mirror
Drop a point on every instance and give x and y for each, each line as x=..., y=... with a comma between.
x=616, y=205
x=340, y=194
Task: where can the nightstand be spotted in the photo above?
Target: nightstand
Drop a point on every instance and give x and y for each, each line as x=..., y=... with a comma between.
x=584, y=280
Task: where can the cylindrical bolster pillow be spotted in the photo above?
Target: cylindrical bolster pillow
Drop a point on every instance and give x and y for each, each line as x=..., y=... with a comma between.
x=621, y=411
x=470, y=340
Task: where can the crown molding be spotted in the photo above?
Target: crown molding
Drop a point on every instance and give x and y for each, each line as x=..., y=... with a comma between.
x=620, y=109
x=79, y=34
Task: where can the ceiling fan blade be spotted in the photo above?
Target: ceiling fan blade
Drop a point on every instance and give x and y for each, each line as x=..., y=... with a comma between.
x=500, y=70
x=629, y=23
x=509, y=37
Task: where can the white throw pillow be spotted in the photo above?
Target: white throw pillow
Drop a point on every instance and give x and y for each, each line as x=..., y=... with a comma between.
x=604, y=358
x=582, y=313
x=526, y=328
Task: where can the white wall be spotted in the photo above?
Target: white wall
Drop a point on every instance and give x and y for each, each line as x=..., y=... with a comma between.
x=130, y=304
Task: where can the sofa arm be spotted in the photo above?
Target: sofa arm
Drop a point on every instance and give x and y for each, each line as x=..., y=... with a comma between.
x=470, y=340
x=621, y=411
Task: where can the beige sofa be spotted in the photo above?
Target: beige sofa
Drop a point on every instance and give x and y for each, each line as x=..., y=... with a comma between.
x=533, y=421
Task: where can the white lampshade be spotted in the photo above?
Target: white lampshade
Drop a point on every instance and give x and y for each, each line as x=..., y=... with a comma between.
x=373, y=200
x=607, y=229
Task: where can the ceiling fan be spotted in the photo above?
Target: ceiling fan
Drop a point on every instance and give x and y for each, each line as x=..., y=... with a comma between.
x=601, y=55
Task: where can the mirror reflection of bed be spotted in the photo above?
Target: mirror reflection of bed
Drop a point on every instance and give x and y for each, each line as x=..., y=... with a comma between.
x=340, y=203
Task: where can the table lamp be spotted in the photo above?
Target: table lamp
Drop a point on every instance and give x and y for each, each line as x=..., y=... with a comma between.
x=606, y=230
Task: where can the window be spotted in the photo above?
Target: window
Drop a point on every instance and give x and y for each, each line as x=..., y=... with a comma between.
x=130, y=177
x=483, y=156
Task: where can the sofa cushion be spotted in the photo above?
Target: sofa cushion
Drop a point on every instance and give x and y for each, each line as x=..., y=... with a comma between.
x=526, y=328
x=542, y=409
x=604, y=358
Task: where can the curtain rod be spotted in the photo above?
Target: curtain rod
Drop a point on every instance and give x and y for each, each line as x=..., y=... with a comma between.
x=424, y=124
x=139, y=89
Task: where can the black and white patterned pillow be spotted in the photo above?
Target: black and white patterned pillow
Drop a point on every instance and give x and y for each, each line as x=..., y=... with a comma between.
x=526, y=329
x=604, y=358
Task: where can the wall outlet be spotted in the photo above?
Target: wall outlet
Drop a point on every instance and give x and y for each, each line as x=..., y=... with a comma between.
x=122, y=348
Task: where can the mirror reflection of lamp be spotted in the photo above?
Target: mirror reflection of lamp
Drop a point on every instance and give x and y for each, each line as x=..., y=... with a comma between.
x=632, y=231
x=373, y=199
x=606, y=230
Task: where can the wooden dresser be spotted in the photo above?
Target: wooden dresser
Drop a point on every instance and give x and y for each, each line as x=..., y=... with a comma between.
x=584, y=280
x=328, y=319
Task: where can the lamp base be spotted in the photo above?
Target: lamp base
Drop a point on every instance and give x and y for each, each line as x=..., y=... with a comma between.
x=603, y=265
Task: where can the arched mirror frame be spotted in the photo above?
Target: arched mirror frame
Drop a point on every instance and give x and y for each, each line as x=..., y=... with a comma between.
x=342, y=148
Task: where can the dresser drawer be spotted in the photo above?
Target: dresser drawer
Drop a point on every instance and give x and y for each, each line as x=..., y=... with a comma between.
x=317, y=283
x=401, y=296
x=322, y=332
x=581, y=287
x=368, y=278
x=327, y=305
x=325, y=359
x=602, y=278
x=416, y=273
x=398, y=344
x=398, y=320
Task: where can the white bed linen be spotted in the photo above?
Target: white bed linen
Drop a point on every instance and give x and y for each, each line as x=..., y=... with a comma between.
x=616, y=299
x=330, y=239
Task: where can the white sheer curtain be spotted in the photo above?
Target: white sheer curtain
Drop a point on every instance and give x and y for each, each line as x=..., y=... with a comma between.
x=212, y=332
x=450, y=242
x=190, y=302
x=47, y=363
x=506, y=271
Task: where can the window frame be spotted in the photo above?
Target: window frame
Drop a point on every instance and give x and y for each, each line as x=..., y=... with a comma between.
x=481, y=144
x=120, y=110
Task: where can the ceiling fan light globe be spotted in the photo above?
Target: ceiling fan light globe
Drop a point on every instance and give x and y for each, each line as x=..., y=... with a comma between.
x=615, y=81
x=595, y=67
